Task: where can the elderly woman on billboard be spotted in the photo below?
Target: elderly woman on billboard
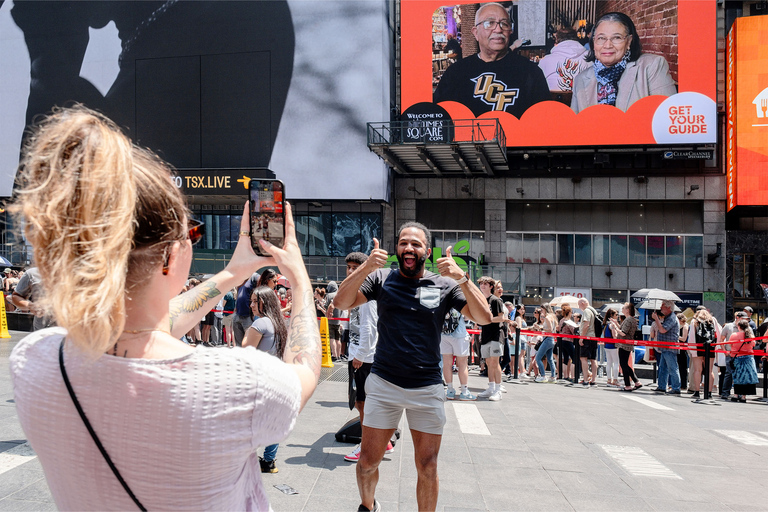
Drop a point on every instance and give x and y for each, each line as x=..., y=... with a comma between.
x=621, y=73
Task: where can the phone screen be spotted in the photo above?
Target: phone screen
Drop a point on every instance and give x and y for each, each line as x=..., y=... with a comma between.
x=267, y=213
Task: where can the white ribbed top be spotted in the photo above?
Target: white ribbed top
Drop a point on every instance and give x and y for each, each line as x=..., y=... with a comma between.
x=183, y=433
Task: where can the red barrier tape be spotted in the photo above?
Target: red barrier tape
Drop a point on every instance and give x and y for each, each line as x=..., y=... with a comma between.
x=672, y=345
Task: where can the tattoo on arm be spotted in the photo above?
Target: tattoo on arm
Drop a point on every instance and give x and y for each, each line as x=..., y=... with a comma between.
x=193, y=300
x=303, y=342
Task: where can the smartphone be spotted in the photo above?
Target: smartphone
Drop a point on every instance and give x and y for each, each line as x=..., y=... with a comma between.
x=267, y=213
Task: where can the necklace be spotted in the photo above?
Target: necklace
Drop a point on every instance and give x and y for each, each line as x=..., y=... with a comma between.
x=139, y=331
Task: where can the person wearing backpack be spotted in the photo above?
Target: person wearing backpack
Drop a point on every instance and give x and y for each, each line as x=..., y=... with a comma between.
x=704, y=331
x=455, y=342
x=590, y=324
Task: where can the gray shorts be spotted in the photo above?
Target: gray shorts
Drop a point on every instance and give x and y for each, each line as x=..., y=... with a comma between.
x=385, y=402
x=491, y=349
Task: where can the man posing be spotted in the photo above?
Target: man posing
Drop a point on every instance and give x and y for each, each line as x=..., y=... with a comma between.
x=405, y=376
x=491, y=337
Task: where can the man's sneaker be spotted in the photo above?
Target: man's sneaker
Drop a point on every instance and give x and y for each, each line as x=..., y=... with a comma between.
x=450, y=394
x=495, y=397
x=673, y=392
x=695, y=394
x=390, y=448
x=540, y=379
x=510, y=378
x=552, y=380
x=267, y=466
x=376, y=507
x=660, y=391
x=502, y=388
x=354, y=456
x=485, y=394
x=468, y=396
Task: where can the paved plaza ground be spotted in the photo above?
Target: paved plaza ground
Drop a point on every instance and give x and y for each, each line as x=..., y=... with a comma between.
x=546, y=447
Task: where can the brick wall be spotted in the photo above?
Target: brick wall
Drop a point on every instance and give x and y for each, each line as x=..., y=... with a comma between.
x=656, y=22
x=468, y=42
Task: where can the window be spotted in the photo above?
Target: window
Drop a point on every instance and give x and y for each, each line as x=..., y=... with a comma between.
x=514, y=248
x=444, y=239
x=601, y=248
x=655, y=246
x=674, y=251
x=548, y=248
x=694, y=251
x=619, y=250
x=530, y=248
x=636, y=251
x=583, y=245
x=565, y=249
x=337, y=234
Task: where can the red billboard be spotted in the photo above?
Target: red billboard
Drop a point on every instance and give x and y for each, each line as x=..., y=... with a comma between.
x=747, y=108
x=670, y=99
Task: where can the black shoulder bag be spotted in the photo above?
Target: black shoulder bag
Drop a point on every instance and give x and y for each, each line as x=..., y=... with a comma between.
x=92, y=432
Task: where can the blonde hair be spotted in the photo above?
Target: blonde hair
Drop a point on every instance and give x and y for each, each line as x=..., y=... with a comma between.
x=97, y=211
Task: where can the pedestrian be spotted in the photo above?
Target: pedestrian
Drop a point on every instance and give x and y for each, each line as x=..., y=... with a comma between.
x=26, y=295
x=243, y=314
x=405, y=375
x=743, y=362
x=626, y=331
x=566, y=326
x=491, y=339
x=268, y=334
x=704, y=332
x=228, y=312
x=682, y=355
x=726, y=383
x=179, y=425
x=588, y=347
x=668, y=329
x=549, y=326
x=611, y=351
x=454, y=343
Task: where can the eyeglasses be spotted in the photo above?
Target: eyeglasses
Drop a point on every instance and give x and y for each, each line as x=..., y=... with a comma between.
x=491, y=24
x=196, y=230
x=195, y=233
x=615, y=40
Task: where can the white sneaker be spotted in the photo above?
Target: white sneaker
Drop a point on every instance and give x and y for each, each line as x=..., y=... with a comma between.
x=485, y=394
x=540, y=379
x=502, y=388
x=354, y=456
x=495, y=397
x=552, y=379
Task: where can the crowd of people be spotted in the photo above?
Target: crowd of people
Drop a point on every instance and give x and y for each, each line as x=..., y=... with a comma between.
x=676, y=343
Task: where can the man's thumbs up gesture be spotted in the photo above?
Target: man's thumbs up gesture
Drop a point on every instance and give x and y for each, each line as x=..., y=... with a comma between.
x=377, y=258
x=448, y=267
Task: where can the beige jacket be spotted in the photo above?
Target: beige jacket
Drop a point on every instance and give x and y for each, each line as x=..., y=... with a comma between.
x=646, y=76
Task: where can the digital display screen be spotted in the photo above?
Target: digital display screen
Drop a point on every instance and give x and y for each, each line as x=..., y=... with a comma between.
x=267, y=212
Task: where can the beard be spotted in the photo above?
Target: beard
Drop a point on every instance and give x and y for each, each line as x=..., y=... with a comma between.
x=417, y=268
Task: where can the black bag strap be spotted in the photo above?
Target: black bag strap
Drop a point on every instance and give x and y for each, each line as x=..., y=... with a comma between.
x=92, y=432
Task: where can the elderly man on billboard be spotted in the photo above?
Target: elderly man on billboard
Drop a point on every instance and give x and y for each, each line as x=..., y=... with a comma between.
x=495, y=79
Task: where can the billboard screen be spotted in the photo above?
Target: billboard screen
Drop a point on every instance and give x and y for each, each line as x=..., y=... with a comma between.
x=461, y=57
x=211, y=84
x=747, y=109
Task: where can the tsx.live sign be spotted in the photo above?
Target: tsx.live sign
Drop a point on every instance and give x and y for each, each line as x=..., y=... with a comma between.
x=224, y=182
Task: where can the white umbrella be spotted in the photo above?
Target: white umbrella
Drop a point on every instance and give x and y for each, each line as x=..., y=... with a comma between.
x=654, y=304
x=565, y=299
x=656, y=293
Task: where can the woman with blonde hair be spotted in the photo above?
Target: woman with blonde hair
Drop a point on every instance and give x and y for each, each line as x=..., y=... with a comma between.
x=178, y=426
